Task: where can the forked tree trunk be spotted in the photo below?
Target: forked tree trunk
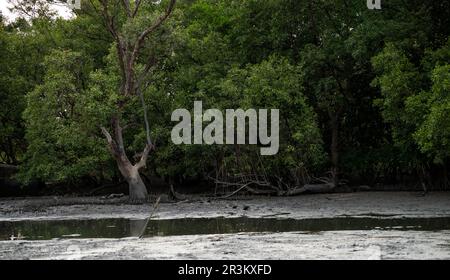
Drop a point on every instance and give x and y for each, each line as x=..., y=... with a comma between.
x=137, y=189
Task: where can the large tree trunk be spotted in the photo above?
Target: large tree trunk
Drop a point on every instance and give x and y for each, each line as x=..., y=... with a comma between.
x=137, y=189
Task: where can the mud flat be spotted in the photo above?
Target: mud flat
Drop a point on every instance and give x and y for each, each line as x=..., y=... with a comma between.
x=293, y=245
x=373, y=204
x=374, y=243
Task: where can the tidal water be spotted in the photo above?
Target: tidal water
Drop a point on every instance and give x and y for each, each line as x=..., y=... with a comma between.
x=120, y=228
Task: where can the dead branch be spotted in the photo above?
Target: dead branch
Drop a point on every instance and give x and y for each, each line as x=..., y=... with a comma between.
x=155, y=206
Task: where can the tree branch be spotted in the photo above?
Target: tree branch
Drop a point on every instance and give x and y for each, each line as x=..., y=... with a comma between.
x=152, y=28
x=126, y=4
x=111, y=143
x=147, y=124
x=118, y=134
x=109, y=22
x=143, y=161
x=136, y=8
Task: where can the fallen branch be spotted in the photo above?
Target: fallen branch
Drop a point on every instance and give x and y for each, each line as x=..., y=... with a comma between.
x=155, y=206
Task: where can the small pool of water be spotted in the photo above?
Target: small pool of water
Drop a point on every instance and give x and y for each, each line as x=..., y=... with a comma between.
x=119, y=228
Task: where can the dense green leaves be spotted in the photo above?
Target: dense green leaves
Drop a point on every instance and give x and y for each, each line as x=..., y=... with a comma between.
x=368, y=88
x=62, y=132
x=415, y=99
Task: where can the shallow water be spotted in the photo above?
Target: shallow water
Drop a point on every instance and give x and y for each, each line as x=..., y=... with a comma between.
x=120, y=228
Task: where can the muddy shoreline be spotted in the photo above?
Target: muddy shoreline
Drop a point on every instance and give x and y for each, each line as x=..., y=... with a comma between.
x=347, y=244
x=375, y=204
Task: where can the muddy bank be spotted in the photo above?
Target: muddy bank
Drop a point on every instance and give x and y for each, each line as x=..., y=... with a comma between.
x=331, y=244
x=374, y=204
x=293, y=245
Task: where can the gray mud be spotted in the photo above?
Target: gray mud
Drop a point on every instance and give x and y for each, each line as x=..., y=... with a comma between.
x=345, y=244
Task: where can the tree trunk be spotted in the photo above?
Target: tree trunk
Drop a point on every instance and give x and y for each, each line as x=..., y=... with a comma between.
x=137, y=189
x=127, y=54
x=335, y=148
x=136, y=186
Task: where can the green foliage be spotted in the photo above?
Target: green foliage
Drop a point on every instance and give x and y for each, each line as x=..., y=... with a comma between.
x=379, y=78
x=433, y=136
x=12, y=82
x=274, y=83
x=63, y=141
x=416, y=99
x=398, y=84
x=21, y=51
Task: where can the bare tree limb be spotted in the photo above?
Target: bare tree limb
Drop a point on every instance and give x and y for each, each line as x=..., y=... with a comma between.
x=143, y=161
x=126, y=4
x=118, y=134
x=147, y=124
x=109, y=22
x=111, y=143
x=152, y=28
x=136, y=8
